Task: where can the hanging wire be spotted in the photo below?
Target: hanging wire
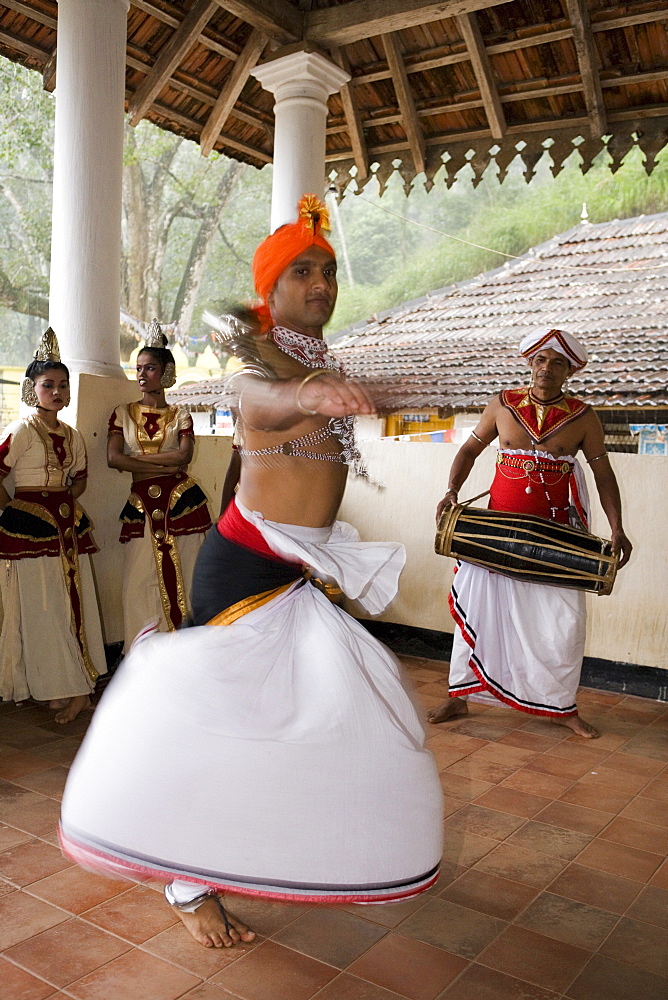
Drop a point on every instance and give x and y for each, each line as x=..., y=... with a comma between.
x=590, y=268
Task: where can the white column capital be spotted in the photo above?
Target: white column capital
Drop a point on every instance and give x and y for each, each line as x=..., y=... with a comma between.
x=301, y=74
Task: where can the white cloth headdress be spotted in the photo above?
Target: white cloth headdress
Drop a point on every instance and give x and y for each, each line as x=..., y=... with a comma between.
x=572, y=349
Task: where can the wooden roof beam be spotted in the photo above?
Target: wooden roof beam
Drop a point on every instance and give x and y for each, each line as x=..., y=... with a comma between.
x=482, y=68
x=351, y=22
x=170, y=56
x=166, y=18
x=406, y=103
x=49, y=73
x=353, y=117
x=586, y=53
x=234, y=84
x=276, y=18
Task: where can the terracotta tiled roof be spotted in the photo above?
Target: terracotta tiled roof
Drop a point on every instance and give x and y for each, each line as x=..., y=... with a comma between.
x=457, y=347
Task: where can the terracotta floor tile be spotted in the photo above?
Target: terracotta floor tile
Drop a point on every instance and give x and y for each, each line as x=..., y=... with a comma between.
x=480, y=728
x=207, y=991
x=656, y=789
x=17, y=763
x=647, y=811
x=620, y=860
x=484, y=822
x=529, y=741
x=272, y=972
x=464, y=848
x=488, y=893
x=480, y=983
x=572, y=817
x=67, y=952
x=568, y=920
x=459, y=741
x=26, y=737
x=548, y=763
x=264, y=916
x=6, y=887
x=30, y=861
x=521, y=865
x=451, y=804
x=11, y=837
x=50, y=782
x=454, y=928
x=642, y=836
x=660, y=877
x=20, y=985
x=605, y=979
x=444, y=758
x=648, y=747
x=347, y=987
x=635, y=765
x=176, y=945
x=536, y=783
x=537, y=959
x=637, y=943
x=599, y=797
x=36, y=814
x=551, y=840
x=482, y=770
x=651, y=905
x=598, y=888
x=511, y=800
x=541, y=727
x=136, y=915
x=22, y=917
x=135, y=975
x=408, y=967
x=587, y=751
x=76, y=889
x=463, y=787
x=60, y=752
x=605, y=740
x=333, y=936
x=615, y=778
x=390, y=915
x=502, y=753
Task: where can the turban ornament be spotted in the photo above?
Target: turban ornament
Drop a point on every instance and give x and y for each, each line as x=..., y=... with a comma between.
x=558, y=340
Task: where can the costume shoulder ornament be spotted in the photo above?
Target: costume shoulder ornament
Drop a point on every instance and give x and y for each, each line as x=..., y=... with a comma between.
x=542, y=419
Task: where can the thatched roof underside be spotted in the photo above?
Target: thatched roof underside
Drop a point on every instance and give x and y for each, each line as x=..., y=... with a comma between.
x=449, y=82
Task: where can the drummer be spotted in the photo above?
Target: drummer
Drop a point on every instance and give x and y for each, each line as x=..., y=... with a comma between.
x=516, y=643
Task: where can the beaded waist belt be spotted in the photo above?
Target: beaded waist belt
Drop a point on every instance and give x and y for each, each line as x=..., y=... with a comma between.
x=528, y=465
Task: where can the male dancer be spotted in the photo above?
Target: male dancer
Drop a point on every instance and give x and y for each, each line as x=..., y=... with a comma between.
x=281, y=756
x=523, y=643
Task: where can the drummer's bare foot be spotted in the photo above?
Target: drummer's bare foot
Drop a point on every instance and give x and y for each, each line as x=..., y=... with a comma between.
x=72, y=708
x=450, y=709
x=207, y=926
x=57, y=703
x=579, y=726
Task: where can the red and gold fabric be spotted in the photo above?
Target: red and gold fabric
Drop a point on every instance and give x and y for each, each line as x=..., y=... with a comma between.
x=532, y=485
x=42, y=456
x=148, y=430
x=541, y=421
x=172, y=506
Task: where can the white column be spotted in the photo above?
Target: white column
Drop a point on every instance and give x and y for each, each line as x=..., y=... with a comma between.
x=87, y=184
x=301, y=83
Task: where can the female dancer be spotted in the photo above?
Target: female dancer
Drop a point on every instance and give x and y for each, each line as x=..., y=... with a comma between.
x=51, y=645
x=166, y=516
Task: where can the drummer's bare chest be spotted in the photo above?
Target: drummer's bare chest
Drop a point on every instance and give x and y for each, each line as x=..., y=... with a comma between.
x=565, y=441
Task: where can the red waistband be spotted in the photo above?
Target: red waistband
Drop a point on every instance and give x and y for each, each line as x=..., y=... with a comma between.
x=234, y=526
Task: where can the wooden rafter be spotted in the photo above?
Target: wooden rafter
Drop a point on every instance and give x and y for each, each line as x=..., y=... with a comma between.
x=227, y=51
x=170, y=56
x=192, y=125
x=353, y=117
x=482, y=68
x=586, y=53
x=406, y=102
x=49, y=73
x=275, y=18
x=234, y=84
x=350, y=22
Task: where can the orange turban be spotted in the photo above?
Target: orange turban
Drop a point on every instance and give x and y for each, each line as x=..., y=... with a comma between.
x=275, y=253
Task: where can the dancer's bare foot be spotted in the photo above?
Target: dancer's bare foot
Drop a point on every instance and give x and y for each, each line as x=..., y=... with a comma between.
x=450, y=709
x=56, y=703
x=207, y=926
x=72, y=708
x=579, y=726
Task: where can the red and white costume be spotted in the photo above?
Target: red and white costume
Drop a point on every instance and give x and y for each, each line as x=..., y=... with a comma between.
x=523, y=643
